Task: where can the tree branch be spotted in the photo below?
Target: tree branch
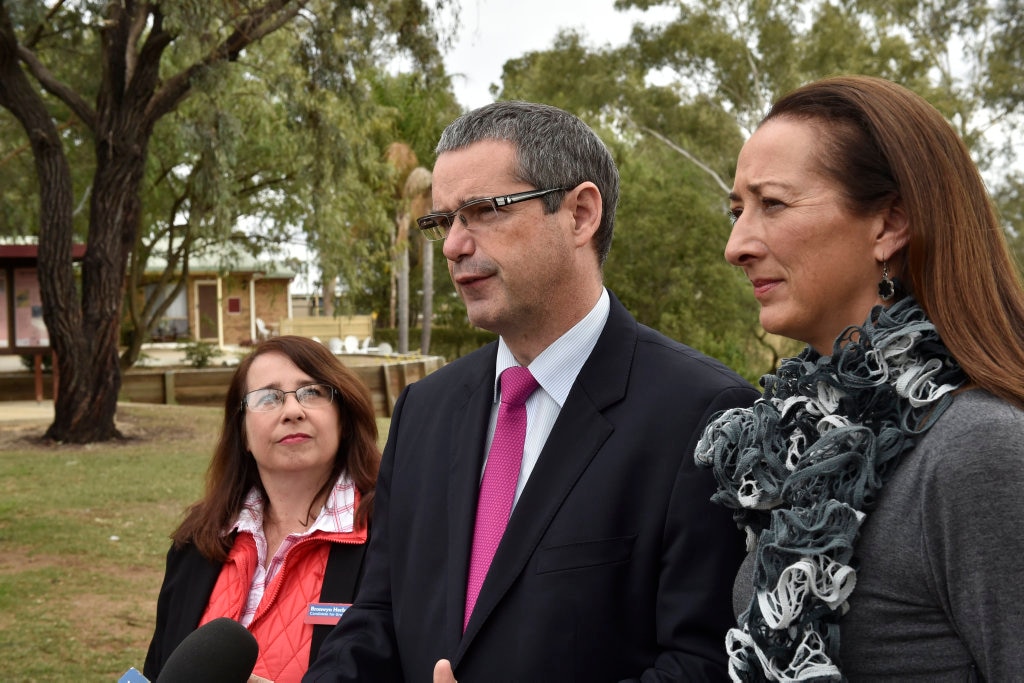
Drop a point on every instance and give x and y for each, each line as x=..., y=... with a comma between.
x=249, y=30
x=138, y=25
x=27, y=147
x=38, y=32
x=676, y=148
x=55, y=87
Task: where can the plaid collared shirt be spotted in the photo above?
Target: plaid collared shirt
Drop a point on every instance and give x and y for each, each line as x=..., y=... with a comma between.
x=337, y=516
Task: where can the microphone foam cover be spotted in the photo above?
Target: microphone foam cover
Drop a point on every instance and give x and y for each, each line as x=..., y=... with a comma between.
x=221, y=650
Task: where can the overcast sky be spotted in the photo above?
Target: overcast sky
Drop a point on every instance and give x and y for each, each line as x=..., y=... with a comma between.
x=494, y=31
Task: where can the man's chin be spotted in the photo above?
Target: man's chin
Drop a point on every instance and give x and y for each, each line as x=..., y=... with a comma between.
x=483, y=323
x=482, y=317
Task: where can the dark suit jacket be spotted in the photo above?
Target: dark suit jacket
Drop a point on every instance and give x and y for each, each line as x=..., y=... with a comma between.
x=614, y=564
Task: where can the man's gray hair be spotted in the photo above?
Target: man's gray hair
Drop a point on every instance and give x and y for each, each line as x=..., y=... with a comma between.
x=553, y=149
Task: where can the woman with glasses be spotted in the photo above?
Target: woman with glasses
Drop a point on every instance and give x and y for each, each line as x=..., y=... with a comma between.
x=276, y=542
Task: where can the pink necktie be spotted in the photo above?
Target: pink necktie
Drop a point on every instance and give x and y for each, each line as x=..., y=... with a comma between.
x=501, y=475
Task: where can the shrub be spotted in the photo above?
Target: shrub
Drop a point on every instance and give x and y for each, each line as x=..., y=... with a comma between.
x=199, y=354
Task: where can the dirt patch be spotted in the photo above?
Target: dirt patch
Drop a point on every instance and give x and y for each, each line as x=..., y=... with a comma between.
x=23, y=435
x=136, y=423
x=103, y=621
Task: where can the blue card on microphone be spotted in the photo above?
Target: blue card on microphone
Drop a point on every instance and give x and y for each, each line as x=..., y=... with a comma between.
x=133, y=675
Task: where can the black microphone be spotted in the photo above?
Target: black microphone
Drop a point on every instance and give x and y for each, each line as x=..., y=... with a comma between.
x=220, y=651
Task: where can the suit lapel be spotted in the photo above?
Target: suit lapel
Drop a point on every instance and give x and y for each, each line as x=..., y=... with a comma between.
x=575, y=439
x=469, y=431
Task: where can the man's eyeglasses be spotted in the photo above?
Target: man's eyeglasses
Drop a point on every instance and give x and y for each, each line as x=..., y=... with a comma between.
x=474, y=213
x=309, y=396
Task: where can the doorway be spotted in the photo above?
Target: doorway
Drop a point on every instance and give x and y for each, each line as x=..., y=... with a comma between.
x=207, y=309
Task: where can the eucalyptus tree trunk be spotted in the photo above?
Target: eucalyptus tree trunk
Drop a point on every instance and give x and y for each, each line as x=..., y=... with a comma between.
x=428, y=295
x=402, y=245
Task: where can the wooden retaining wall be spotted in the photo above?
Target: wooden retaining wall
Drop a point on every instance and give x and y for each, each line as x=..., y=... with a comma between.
x=208, y=386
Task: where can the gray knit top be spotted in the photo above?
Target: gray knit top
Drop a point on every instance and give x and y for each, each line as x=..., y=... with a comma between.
x=940, y=584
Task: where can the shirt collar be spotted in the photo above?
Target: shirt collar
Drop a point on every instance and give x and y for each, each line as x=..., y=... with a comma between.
x=557, y=366
x=337, y=514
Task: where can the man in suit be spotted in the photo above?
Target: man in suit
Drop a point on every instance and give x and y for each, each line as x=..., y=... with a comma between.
x=614, y=564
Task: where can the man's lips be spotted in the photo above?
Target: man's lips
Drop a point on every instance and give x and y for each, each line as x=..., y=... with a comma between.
x=469, y=279
x=763, y=286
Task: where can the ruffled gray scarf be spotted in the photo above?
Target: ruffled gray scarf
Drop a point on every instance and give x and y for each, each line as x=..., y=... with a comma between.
x=803, y=466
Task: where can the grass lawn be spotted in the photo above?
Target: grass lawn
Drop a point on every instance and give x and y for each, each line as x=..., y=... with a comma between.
x=83, y=535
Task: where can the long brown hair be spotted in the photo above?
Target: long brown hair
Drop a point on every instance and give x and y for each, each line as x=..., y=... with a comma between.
x=884, y=143
x=232, y=472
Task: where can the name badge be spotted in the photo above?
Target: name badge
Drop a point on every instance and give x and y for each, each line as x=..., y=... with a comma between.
x=132, y=675
x=325, y=612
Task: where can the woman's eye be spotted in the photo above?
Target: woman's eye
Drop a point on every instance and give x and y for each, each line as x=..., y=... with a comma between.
x=312, y=391
x=734, y=214
x=265, y=400
x=769, y=203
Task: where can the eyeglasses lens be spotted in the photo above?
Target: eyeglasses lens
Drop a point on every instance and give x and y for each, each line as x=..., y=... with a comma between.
x=436, y=226
x=309, y=396
x=433, y=227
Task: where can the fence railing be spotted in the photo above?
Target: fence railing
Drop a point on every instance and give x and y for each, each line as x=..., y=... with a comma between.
x=358, y=326
x=208, y=386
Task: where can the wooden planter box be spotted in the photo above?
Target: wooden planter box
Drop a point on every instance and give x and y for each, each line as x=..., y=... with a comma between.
x=208, y=386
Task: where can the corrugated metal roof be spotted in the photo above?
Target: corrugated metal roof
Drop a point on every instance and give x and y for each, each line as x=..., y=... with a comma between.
x=225, y=258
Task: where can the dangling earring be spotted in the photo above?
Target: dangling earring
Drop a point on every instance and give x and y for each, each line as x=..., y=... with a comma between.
x=886, y=287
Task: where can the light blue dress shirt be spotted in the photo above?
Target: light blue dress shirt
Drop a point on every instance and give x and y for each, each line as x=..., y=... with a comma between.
x=555, y=370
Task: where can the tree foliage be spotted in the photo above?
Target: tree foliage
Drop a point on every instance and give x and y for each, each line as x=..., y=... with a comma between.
x=158, y=125
x=421, y=111
x=154, y=129
x=678, y=100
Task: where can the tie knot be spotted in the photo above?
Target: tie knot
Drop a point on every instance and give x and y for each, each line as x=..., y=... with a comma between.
x=517, y=383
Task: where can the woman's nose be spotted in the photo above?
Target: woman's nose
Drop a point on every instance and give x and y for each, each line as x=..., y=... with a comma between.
x=292, y=409
x=742, y=245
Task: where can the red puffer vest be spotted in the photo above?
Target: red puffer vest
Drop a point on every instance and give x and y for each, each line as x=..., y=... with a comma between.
x=279, y=625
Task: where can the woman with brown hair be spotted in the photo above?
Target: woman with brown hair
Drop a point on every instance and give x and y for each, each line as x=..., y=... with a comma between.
x=879, y=478
x=277, y=540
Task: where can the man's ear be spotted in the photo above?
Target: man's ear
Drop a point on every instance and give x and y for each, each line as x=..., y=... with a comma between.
x=584, y=203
